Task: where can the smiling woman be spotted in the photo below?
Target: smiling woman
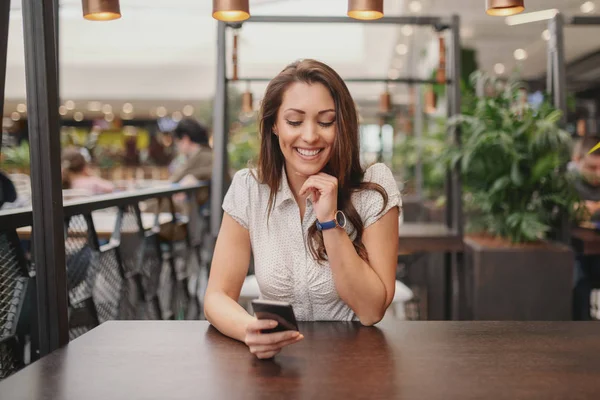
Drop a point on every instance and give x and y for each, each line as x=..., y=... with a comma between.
x=323, y=231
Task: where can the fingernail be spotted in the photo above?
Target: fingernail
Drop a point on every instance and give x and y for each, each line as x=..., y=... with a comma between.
x=273, y=324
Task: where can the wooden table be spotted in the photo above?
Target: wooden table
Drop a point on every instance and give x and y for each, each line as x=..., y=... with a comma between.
x=397, y=360
x=585, y=241
x=428, y=237
x=104, y=224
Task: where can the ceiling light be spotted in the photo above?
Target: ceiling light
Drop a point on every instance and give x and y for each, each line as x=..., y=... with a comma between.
x=62, y=110
x=499, y=68
x=587, y=7
x=407, y=30
x=415, y=6
x=109, y=117
x=365, y=9
x=177, y=116
x=402, y=49
x=546, y=35
x=15, y=116
x=126, y=116
x=161, y=112
x=94, y=106
x=531, y=17
x=231, y=10
x=21, y=108
x=107, y=109
x=520, y=54
x=503, y=8
x=70, y=104
x=188, y=110
x=78, y=116
x=101, y=10
x=127, y=108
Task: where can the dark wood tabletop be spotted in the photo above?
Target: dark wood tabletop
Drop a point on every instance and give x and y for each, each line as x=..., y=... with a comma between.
x=428, y=237
x=395, y=360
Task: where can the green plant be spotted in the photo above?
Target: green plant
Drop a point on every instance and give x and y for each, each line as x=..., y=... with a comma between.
x=430, y=148
x=512, y=158
x=244, y=145
x=17, y=157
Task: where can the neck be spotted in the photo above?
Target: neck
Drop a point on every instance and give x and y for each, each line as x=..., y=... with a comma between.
x=194, y=147
x=295, y=182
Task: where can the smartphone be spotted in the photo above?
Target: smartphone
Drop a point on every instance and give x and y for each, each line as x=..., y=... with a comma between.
x=278, y=311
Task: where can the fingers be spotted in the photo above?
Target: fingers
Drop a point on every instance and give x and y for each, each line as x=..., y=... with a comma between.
x=259, y=325
x=319, y=183
x=261, y=349
x=268, y=339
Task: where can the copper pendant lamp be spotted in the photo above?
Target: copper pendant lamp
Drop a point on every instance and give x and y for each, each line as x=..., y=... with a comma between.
x=385, y=102
x=503, y=8
x=247, y=100
x=101, y=10
x=365, y=9
x=231, y=10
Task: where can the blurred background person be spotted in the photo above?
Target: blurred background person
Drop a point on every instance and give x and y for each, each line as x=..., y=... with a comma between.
x=76, y=174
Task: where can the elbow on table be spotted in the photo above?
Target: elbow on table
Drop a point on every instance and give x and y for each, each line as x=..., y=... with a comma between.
x=371, y=319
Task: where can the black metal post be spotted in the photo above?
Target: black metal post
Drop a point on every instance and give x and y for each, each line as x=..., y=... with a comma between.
x=220, y=135
x=4, y=21
x=405, y=20
x=454, y=99
x=44, y=139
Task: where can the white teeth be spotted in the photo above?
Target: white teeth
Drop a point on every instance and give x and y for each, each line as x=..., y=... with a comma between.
x=308, y=153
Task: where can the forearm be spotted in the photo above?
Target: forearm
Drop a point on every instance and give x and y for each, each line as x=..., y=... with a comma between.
x=226, y=315
x=356, y=282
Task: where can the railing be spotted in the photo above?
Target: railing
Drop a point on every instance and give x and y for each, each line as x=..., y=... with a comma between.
x=125, y=259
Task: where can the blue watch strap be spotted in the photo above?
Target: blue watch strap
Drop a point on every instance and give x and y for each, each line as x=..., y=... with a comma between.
x=322, y=226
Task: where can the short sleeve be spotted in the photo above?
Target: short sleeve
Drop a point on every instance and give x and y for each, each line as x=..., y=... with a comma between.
x=237, y=199
x=371, y=202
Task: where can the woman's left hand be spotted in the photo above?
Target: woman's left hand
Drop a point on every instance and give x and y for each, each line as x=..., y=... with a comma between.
x=324, y=191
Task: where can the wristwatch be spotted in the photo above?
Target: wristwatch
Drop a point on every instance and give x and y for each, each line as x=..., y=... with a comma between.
x=338, y=221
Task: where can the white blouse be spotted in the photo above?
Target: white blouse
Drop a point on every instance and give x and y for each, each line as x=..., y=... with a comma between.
x=284, y=267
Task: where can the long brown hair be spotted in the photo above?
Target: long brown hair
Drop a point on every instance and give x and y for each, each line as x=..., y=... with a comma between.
x=344, y=163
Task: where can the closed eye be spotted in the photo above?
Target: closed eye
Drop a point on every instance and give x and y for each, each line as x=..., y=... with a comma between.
x=293, y=123
x=326, y=124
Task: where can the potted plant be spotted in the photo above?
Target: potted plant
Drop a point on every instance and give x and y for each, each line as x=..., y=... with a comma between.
x=16, y=159
x=515, y=190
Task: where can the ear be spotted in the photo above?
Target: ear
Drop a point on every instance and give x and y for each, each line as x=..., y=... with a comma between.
x=275, y=130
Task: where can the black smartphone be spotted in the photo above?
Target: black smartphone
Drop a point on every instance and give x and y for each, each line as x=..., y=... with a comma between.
x=278, y=311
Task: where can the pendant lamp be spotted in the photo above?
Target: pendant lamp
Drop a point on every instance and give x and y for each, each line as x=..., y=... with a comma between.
x=101, y=10
x=441, y=71
x=503, y=8
x=231, y=10
x=247, y=101
x=365, y=9
x=385, y=102
x=234, y=56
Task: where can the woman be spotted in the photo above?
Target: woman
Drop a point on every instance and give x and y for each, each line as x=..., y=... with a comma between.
x=308, y=176
x=77, y=175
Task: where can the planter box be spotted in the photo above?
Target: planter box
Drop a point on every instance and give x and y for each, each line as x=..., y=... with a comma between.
x=517, y=283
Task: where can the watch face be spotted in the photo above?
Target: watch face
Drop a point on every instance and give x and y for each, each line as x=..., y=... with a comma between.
x=340, y=218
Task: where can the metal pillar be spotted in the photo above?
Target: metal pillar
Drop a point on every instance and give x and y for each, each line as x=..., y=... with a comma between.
x=4, y=21
x=44, y=139
x=418, y=131
x=557, y=87
x=220, y=135
x=556, y=53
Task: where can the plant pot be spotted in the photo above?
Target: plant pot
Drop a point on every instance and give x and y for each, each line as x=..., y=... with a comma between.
x=517, y=282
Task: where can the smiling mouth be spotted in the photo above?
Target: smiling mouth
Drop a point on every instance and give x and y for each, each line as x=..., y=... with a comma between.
x=308, y=153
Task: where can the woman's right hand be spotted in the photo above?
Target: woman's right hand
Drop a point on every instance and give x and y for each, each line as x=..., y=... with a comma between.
x=267, y=345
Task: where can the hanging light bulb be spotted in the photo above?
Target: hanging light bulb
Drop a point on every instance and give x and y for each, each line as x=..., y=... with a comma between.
x=385, y=101
x=441, y=71
x=503, y=8
x=365, y=9
x=101, y=10
x=247, y=101
x=231, y=10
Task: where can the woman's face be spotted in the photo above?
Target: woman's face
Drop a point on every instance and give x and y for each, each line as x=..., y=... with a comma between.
x=306, y=127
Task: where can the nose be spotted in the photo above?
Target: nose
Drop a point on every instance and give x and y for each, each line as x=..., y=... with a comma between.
x=311, y=134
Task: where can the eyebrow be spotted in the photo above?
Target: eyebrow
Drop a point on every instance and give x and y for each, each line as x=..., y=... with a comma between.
x=302, y=112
